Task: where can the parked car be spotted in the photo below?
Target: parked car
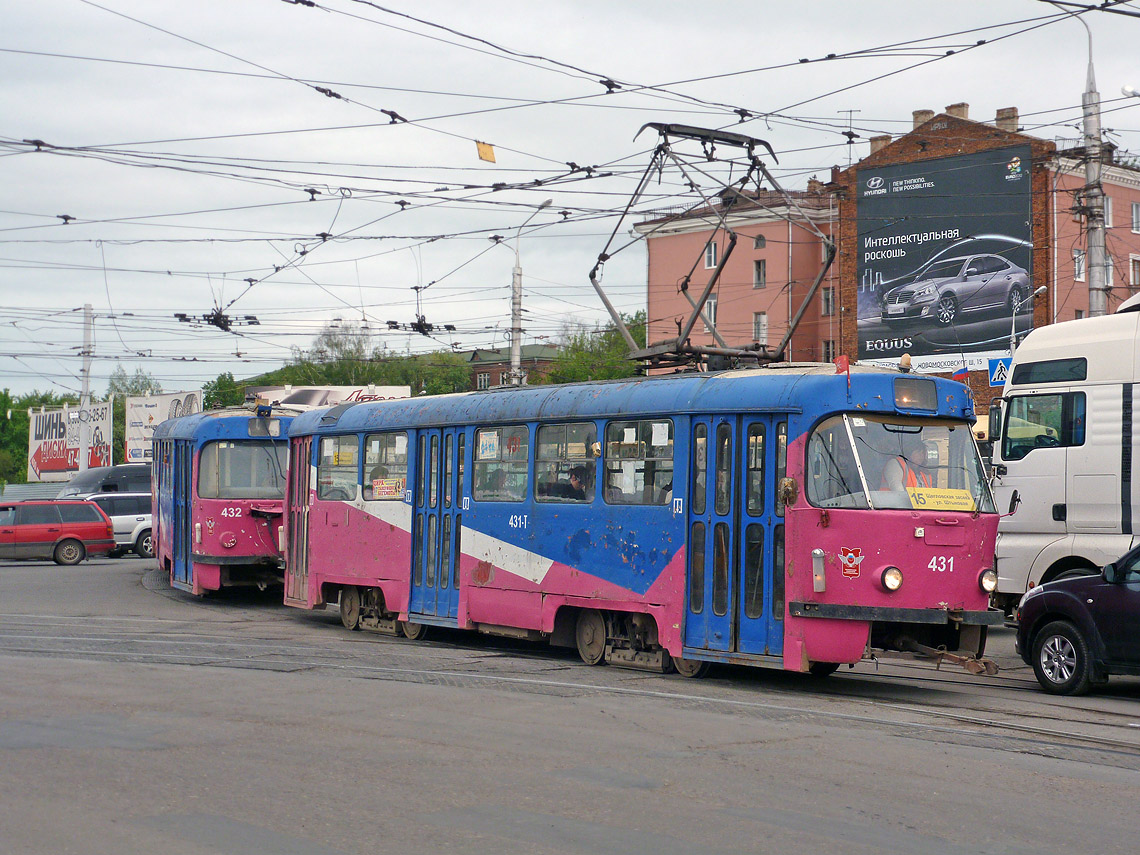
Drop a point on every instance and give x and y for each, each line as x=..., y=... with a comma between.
x=1076, y=631
x=126, y=477
x=65, y=531
x=943, y=289
x=130, y=516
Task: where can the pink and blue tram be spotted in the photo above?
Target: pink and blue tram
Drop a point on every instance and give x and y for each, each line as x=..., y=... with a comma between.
x=219, y=487
x=739, y=517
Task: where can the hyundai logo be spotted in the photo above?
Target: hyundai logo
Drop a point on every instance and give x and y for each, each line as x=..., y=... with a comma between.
x=875, y=183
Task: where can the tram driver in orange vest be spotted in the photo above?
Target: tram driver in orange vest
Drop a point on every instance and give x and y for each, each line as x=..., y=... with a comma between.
x=908, y=470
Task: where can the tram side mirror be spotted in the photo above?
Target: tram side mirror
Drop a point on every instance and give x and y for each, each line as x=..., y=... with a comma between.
x=1014, y=501
x=788, y=491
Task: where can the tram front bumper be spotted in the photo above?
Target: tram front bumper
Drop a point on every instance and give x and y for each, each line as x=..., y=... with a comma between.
x=886, y=614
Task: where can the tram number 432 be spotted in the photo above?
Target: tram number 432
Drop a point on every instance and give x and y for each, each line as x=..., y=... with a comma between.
x=941, y=564
x=231, y=512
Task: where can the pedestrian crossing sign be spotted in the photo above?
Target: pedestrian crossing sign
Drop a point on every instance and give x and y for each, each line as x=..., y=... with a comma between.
x=999, y=370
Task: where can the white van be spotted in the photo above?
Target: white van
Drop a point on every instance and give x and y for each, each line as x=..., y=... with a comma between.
x=1066, y=444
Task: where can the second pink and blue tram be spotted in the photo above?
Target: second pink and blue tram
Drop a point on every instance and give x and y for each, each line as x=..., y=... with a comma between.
x=219, y=487
x=662, y=523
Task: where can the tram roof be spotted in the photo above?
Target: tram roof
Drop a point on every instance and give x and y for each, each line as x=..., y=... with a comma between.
x=212, y=423
x=780, y=388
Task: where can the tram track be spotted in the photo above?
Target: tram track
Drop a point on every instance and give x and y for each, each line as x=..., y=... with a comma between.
x=165, y=642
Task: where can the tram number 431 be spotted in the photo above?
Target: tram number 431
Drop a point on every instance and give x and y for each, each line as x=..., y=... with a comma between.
x=941, y=564
x=517, y=521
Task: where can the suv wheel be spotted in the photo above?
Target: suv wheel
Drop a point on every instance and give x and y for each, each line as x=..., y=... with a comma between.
x=69, y=552
x=1061, y=659
x=144, y=547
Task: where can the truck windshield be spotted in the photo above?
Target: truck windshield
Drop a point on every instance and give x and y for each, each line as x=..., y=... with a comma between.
x=884, y=462
x=250, y=469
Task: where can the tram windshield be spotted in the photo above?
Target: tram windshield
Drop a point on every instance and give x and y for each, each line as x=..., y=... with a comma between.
x=245, y=469
x=885, y=462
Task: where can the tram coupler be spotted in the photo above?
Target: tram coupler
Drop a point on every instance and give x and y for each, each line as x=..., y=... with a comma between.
x=656, y=661
x=973, y=664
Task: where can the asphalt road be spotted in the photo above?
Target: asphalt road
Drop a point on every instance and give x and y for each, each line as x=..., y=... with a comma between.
x=134, y=718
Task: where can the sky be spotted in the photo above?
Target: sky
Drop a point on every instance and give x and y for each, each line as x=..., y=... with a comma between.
x=294, y=164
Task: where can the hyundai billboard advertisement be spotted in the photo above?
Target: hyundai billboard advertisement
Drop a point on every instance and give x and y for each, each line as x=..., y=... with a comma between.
x=945, y=259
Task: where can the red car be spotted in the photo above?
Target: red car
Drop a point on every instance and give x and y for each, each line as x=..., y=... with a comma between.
x=65, y=531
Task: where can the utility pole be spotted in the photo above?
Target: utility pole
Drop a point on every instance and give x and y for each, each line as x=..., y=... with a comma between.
x=516, y=373
x=85, y=390
x=1094, y=194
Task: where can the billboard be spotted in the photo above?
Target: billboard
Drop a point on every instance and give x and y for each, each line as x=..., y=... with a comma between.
x=312, y=397
x=144, y=414
x=945, y=259
x=55, y=436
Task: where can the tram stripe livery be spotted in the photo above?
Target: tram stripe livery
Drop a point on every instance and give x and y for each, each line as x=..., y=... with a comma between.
x=661, y=523
x=219, y=486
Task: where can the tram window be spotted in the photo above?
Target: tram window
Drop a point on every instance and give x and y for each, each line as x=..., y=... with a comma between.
x=700, y=466
x=778, y=573
x=385, y=466
x=418, y=550
x=755, y=469
x=265, y=427
x=421, y=470
x=459, y=462
x=337, y=469
x=433, y=473
x=781, y=462
x=721, y=552
x=697, y=568
x=445, y=552
x=251, y=469
x=429, y=563
x=832, y=474
x=501, y=459
x=754, y=570
x=723, y=468
x=639, y=462
x=458, y=547
x=448, y=462
x=564, y=464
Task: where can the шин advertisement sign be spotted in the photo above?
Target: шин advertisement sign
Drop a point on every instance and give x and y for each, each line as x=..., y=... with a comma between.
x=945, y=259
x=54, y=438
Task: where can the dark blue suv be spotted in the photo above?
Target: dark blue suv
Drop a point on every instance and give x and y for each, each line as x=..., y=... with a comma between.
x=1075, y=632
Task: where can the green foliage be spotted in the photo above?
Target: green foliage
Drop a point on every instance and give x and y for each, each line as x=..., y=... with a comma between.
x=14, y=427
x=119, y=389
x=597, y=354
x=224, y=391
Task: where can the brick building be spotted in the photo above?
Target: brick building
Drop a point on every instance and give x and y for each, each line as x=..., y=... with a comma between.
x=776, y=258
x=491, y=366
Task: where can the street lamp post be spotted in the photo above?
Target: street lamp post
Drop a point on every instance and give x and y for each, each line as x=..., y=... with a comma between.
x=1013, y=320
x=516, y=373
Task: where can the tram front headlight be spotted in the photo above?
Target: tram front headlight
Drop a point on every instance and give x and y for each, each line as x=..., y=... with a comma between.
x=988, y=581
x=892, y=579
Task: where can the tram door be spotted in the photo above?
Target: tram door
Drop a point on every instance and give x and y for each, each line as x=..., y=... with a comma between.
x=437, y=524
x=183, y=498
x=297, y=549
x=734, y=565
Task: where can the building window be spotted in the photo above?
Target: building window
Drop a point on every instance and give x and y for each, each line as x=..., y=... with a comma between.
x=1080, y=313
x=1079, y=265
x=710, y=312
x=1107, y=211
x=760, y=273
x=710, y=255
x=760, y=327
x=483, y=380
x=828, y=297
x=1134, y=271
x=1108, y=271
x=829, y=350
x=1136, y=217
x=760, y=242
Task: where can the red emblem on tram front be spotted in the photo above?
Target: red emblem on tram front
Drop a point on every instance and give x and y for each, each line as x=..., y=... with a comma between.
x=850, y=559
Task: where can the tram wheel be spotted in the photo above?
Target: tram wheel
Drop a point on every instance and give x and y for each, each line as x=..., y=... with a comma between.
x=590, y=634
x=412, y=630
x=691, y=668
x=350, y=607
x=823, y=669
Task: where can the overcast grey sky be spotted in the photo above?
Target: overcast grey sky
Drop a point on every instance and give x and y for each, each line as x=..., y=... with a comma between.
x=183, y=139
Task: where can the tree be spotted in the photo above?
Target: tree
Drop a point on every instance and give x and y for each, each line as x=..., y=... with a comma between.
x=598, y=354
x=224, y=391
x=119, y=388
